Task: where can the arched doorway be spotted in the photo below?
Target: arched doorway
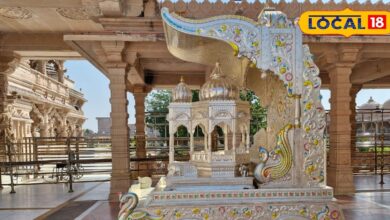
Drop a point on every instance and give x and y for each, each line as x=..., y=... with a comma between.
x=181, y=144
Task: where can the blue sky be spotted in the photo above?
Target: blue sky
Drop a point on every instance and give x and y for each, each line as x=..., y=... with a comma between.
x=94, y=85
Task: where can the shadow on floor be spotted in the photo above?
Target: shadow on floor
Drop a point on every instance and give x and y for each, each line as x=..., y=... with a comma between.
x=69, y=211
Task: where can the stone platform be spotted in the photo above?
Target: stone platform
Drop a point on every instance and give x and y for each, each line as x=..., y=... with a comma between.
x=201, y=184
x=292, y=203
x=264, y=211
x=205, y=196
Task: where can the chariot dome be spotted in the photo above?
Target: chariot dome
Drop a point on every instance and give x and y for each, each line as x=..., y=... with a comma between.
x=181, y=93
x=218, y=87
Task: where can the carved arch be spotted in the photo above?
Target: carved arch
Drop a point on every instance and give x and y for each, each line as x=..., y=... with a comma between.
x=201, y=125
x=181, y=116
x=274, y=45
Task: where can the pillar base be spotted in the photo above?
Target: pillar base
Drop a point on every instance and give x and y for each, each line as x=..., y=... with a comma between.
x=120, y=182
x=140, y=143
x=341, y=179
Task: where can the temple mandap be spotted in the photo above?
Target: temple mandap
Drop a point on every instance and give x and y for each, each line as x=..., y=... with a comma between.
x=143, y=45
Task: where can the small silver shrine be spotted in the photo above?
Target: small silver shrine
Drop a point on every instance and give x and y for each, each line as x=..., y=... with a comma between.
x=219, y=105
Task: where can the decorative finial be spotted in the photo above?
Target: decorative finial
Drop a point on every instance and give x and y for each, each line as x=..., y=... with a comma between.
x=181, y=79
x=371, y=99
x=217, y=72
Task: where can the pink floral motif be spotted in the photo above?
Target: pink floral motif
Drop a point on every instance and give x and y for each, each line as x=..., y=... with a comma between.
x=306, y=146
x=259, y=209
x=334, y=215
x=289, y=76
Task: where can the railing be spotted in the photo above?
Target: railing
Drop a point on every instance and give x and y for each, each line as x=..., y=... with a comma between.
x=46, y=82
x=371, y=154
x=200, y=156
x=43, y=160
x=70, y=160
x=75, y=93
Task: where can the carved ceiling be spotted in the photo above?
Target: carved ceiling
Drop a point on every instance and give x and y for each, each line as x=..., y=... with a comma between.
x=15, y=13
x=83, y=13
x=37, y=27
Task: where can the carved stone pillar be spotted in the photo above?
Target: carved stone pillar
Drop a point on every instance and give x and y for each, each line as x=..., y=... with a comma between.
x=43, y=130
x=42, y=66
x=226, y=138
x=139, y=97
x=171, y=148
x=116, y=73
x=354, y=91
x=18, y=131
x=8, y=63
x=150, y=8
x=191, y=142
x=120, y=180
x=63, y=131
x=61, y=71
x=63, y=126
x=248, y=139
x=340, y=167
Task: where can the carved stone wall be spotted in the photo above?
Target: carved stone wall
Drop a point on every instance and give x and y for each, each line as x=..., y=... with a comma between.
x=280, y=108
x=45, y=104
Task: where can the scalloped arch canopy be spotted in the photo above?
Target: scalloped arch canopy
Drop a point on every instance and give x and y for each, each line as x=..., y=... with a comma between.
x=272, y=44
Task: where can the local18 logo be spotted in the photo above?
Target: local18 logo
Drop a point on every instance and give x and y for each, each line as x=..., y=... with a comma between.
x=346, y=22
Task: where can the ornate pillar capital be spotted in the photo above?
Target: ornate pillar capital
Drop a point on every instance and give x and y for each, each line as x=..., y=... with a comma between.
x=115, y=63
x=342, y=56
x=8, y=62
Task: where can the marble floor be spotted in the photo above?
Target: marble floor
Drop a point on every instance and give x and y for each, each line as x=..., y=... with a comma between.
x=89, y=201
x=32, y=201
x=367, y=183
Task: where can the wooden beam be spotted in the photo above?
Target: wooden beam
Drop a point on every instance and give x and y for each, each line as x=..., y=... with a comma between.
x=133, y=24
x=42, y=3
x=383, y=83
x=33, y=42
x=169, y=79
x=92, y=51
x=130, y=37
x=368, y=71
x=166, y=65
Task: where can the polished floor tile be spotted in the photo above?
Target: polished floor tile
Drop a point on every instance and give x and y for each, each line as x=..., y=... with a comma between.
x=41, y=196
x=371, y=182
x=21, y=214
x=35, y=200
